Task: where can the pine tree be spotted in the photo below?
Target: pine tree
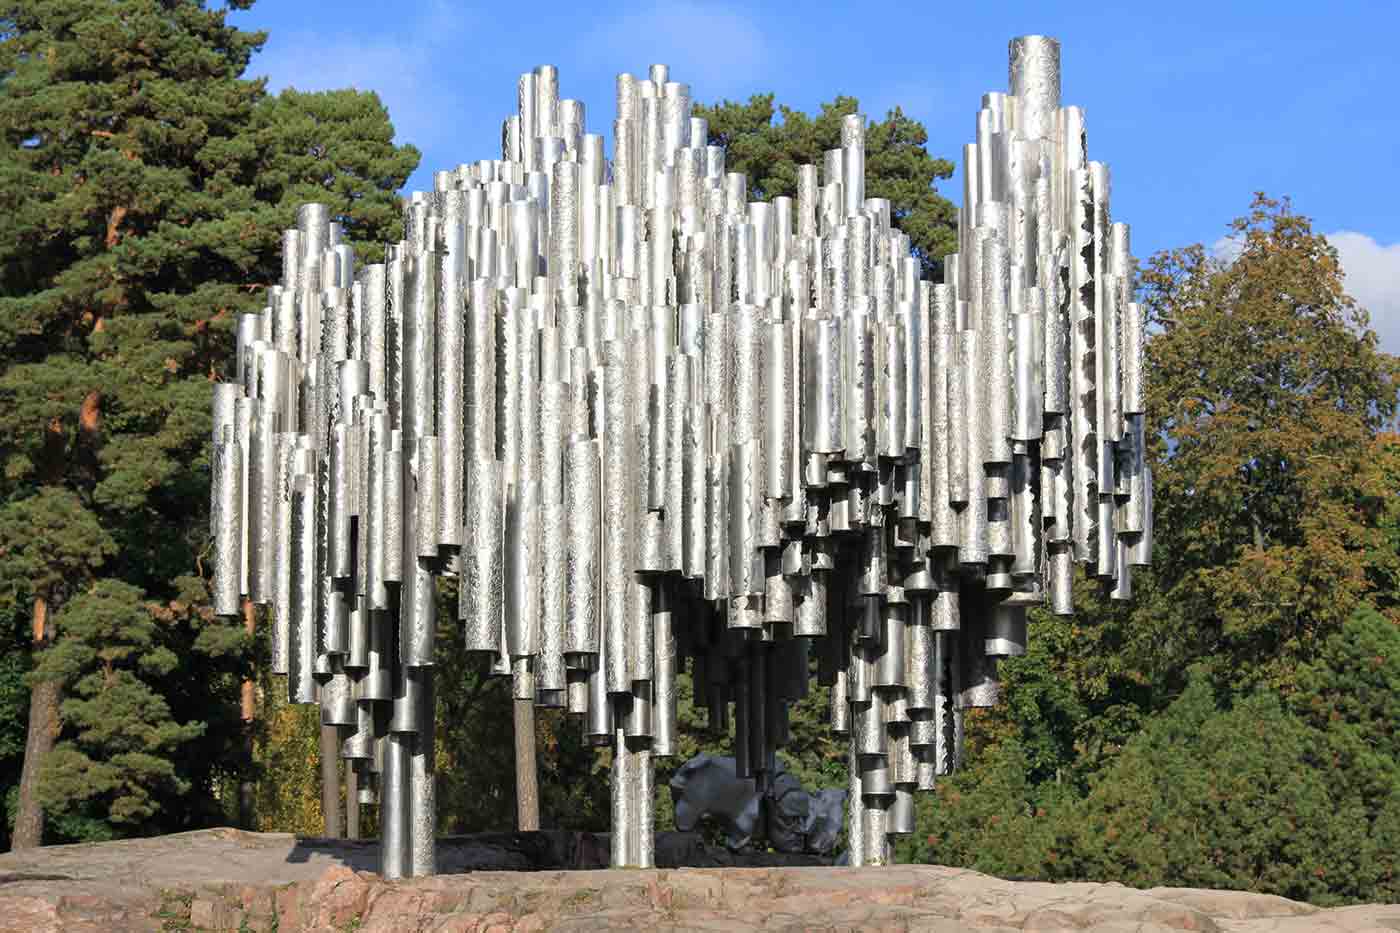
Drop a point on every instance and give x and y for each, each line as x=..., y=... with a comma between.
x=1296, y=795
x=143, y=187
x=897, y=166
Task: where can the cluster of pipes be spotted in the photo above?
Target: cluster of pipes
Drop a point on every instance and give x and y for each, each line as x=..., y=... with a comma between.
x=643, y=420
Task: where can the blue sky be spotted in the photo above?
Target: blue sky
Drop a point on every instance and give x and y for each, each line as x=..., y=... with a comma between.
x=1194, y=106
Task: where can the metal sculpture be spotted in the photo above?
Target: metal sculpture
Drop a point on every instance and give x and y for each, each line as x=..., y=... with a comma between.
x=784, y=814
x=643, y=420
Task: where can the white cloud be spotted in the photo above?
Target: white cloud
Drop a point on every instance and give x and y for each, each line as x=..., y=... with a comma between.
x=1227, y=249
x=713, y=48
x=1373, y=279
x=1372, y=272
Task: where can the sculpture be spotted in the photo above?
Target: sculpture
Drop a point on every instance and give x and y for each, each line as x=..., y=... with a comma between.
x=643, y=420
x=784, y=814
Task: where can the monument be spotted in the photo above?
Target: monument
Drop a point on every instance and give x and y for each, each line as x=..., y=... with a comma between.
x=652, y=426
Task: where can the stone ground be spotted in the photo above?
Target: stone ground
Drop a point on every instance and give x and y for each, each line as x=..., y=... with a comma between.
x=225, y=879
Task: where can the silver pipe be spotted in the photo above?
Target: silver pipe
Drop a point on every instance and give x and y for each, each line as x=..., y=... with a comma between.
x=395, y=857
x=664, y=669
x=422, y=782
x=1082, y=427
x=617, y=533
x=418, y=597
x=696, y=546
x=480, y=409
x=373, y=525
x=853, y=162
x=1134, y=338
x=337, y=705
x=678, y=380
x=450, y=424
x=745, y=571
x=227, y=503
x=995, y=352
x=301, y=688
x=642, y=846
x=621, y=782
x=394, y=529
x=1028, y=397
x=282, y=558
x=975, y=544
x=641, y=651
x=262, y=478
x=483, y=566
x=582, y=532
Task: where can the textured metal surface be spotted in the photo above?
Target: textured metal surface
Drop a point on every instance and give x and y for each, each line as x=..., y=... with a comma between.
x=646, y=422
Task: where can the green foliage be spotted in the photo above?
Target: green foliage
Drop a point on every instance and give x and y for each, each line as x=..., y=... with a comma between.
x=143, y=186
x=14, y=696
x=1269, y=392
x=121, y=735
x=1199, y=776
x=476, y=749
x=1351, y=696
x=989, y=817
x=1233, y=726
x=897, y=166
x=1383, y=563
x=287, y=754
x=14, y=720
x=813, y=754
x=1047, y=712
x=335, y=147
x=1298, y=797
x=49, y=544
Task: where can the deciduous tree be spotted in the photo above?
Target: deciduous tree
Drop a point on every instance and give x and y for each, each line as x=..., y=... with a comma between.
x=1267, y=391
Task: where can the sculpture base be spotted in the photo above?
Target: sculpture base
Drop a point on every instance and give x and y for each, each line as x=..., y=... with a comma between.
x=230, y=880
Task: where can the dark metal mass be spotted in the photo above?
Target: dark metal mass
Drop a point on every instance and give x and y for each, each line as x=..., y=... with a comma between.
x=644, y=421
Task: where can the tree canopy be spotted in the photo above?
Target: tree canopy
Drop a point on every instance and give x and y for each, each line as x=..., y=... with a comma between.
x=1268, y=391
x=1232, y=726
x=897, y=166
x=144, y=184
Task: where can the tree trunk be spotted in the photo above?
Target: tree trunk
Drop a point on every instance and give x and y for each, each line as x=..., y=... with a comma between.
x=352, y=802
x=248, y=708
x=527, y=792
x=44, y=698
x=330, y=781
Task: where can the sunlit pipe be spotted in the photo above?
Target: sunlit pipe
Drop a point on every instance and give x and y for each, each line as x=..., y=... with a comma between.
x=227, y=505
x=301, y=609
x=482, y=590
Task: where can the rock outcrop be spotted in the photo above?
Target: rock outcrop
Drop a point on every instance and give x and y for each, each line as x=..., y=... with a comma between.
x=230, y=880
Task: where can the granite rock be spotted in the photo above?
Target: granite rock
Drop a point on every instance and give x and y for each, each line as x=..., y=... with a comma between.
x=226, y=879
